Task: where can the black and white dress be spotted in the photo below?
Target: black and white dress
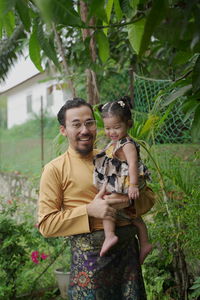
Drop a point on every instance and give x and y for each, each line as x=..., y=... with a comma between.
x=113, y=171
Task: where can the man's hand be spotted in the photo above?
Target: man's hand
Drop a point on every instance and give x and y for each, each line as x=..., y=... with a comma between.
x=121, y=200
x=100, y=208
x=105, y=206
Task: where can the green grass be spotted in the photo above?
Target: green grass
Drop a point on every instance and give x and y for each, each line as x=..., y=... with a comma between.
x=20, y=147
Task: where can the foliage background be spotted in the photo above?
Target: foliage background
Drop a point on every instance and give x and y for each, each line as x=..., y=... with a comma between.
x=108, y=42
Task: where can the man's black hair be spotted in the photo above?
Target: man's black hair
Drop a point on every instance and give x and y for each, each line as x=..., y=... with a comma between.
x=73, y=103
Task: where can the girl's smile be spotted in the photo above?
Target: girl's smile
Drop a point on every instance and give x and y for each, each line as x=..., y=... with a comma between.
x=115, y=129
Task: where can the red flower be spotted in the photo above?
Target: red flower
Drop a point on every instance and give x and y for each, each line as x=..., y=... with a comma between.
x=37, y=257
x=34, y=257
x=43, y=256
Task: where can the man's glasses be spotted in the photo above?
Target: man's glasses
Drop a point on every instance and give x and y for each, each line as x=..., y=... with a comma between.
x=89, y=124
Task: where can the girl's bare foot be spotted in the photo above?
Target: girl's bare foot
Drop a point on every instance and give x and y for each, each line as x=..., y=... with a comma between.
x=144, y=251
x=109, y=242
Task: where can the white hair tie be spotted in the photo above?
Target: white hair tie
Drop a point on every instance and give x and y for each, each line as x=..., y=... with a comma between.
x=121, y=103
x=104, y=106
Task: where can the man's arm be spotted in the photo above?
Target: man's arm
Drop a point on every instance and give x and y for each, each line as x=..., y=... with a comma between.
x=107, y=208
x=53, y=220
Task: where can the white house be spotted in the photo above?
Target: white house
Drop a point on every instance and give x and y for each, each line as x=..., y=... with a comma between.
x=30, y=91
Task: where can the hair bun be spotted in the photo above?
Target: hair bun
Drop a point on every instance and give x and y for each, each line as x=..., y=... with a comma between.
x=127, y=101
x=99, y=107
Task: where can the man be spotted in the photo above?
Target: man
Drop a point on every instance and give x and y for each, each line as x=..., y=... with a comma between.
x=69, y=205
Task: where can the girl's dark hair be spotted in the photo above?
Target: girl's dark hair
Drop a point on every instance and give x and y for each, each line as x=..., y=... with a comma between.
x=74, y=103
x=120, y=108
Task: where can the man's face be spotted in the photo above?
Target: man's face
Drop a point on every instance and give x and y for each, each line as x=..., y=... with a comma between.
x=80, y=129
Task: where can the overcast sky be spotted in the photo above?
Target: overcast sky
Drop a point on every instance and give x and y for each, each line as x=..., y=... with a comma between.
x=21, y=70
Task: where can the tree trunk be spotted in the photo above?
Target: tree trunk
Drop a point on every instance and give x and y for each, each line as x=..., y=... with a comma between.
x=64, y=62
x=92, y=89
x=181, y=273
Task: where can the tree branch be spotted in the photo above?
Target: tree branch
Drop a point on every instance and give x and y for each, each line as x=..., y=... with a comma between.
x=107, y=26
x=65, y=66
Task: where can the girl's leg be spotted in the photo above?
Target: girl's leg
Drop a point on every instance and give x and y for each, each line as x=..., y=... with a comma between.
x=145, y=246
x=110, y=236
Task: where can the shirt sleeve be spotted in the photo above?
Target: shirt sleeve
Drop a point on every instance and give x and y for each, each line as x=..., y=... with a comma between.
x=53, y=220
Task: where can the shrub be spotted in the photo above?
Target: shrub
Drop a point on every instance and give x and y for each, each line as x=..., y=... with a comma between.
x=27, y=259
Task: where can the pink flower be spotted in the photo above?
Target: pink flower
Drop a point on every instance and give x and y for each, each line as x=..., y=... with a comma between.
x=34, y=257
x=35, y=260
x=43, y=256
x=35, y=254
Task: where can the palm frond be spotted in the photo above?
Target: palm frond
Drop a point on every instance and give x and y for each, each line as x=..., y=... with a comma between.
x=10, y=48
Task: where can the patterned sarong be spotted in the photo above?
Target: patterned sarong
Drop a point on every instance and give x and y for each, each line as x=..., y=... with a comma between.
x=116, y=276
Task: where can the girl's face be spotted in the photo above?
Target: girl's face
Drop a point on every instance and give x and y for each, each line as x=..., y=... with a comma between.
x=115, y=129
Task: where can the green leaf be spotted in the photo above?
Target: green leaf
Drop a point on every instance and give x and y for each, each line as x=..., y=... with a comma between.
x=1, y=28
x=129, y=8
x=196, y=76
x=23, y=11
x=118, y=10
x=46, y=46
x=195, y=287
x=9, y=23
x=96, y=8
x=180, y=92
x=181, y=57
x=154, y=18
x=108, y=10
x=103, y=45
x=60, y=12
x=164, y=117
x=134, y=4
x=189, y=107
x=34, y=50
x=195, y=131
x=6, y=6
x=149, y=124
x=135, y=33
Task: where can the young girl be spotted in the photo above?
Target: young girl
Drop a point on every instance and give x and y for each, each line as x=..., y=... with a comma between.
x=120, y=166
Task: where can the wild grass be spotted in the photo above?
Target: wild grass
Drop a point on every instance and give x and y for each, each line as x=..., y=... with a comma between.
x=20, y=147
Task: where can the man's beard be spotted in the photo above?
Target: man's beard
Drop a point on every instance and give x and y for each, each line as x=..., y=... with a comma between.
x=88, y=148
x=86, y=151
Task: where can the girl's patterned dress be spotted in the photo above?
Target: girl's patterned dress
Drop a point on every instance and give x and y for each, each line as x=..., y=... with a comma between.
x=108, y=168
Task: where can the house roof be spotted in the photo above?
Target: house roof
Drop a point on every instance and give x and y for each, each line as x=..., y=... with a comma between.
x=22, y=71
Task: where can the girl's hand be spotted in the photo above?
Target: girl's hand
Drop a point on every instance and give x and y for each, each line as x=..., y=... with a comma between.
x=133, y=192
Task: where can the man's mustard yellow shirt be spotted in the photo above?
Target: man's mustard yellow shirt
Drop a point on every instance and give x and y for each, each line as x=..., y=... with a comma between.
x=66, y=187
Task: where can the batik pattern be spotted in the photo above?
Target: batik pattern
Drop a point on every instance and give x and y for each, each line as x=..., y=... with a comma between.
x=116, y=276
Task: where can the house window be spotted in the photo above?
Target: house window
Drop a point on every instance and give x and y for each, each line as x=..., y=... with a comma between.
x=50, y=96
x=29, y=107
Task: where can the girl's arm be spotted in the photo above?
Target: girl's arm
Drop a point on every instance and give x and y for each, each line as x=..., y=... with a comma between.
x=130, y=153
